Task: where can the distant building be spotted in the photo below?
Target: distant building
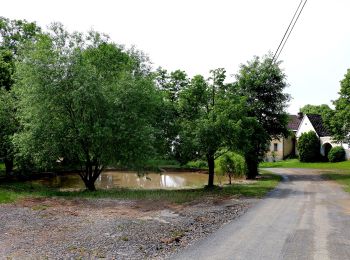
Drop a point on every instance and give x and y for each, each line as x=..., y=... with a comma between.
x=283, y=147
x=313, y=122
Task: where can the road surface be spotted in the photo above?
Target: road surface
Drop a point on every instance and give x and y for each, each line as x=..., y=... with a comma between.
x=305, y=217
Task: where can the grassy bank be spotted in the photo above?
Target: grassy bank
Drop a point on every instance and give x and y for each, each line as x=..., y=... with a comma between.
x=12, y=191
x=294, y=163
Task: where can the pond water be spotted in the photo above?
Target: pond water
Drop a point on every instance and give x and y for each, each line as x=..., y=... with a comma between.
x=117, y=179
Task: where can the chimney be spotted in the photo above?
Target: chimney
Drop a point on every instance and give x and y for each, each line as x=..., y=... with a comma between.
x=300, y=115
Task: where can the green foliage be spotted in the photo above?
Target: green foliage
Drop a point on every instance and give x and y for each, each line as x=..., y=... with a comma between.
x=262, y=82
x=322, y=110
x=7, y=68
x=339, y=124
x=309, y=147
x=295, y=163
x=231, y=164
x=213, y=117
x=13, y=33
x=198, y=164
x=8, y=127
x=79, y=99
x=336, y=154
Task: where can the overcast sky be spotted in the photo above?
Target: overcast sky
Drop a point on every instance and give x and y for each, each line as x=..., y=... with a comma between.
x=197, y=36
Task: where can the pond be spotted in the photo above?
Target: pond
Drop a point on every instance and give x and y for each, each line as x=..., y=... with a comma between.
x=124, y=179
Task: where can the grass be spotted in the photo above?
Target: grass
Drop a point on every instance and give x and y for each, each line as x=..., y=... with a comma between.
x=294, y=163
x=340, y=170
x=341, y=178
x=12, y=191
x=164, y=163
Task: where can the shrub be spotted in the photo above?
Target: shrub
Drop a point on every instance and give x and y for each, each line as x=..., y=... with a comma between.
x=336, y=154
x=231, y=164
x=309, y=147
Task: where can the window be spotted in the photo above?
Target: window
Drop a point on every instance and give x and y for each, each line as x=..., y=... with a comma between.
x=275, y=147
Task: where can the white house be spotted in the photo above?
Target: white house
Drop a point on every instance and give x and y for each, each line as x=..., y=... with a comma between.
x=313, y=122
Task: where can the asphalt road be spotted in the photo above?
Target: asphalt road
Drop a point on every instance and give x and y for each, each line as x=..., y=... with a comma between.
x=305, y=217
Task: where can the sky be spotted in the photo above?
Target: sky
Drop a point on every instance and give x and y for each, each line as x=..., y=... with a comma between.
x=200, y=35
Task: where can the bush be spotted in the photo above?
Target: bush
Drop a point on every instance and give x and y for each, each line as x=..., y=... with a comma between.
x=231, y=164
x=309, y=147
x=336, y=154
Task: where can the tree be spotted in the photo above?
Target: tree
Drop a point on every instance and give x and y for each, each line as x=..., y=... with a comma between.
x=170, y=85
x=324, y=110
x=79, y=98
x=232, y=165
x=262, y=82
x=212, y=120
x=339, y=124
x=309, y=147
x=8, y=126
x=13, y=35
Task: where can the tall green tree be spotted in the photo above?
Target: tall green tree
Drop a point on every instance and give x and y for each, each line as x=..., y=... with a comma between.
x=80, y=98
x=324, y=110
x=212, y=120
x=8, y=126
x=170, y=86
x=263, y=83
x=13, y=35
x=339, y=124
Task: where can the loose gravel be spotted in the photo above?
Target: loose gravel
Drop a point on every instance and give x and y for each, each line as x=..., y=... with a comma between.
x=106, y=228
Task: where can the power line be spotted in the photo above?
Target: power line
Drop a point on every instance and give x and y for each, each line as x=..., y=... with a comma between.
x=287, y=30
x=291, y=30
x=284, y=39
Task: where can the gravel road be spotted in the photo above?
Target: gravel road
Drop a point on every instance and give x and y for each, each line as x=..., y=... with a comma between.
x=305, y=217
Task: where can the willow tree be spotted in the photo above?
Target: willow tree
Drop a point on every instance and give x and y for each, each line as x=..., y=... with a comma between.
x=84, y=98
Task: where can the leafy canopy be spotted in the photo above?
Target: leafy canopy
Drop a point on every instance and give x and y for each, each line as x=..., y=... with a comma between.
x=80, y=99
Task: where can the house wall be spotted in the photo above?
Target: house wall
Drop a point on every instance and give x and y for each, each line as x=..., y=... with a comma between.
x=278, y=154
x=328, y=139
x=288, y=147
x=305, y=126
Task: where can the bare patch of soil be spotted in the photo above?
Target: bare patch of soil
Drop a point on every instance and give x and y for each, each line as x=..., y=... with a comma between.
x=107, y=228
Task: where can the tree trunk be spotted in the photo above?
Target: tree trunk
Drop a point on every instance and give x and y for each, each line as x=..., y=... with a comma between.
x=252, y=166
x=90, y=174
x=211, y=165
x=230, y=177
x=90, y=185
x=8, y=166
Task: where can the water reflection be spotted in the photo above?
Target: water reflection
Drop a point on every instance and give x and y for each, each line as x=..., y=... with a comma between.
x=115, y=179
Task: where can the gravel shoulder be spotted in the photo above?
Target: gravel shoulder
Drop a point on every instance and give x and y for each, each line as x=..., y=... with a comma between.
x=105, y=228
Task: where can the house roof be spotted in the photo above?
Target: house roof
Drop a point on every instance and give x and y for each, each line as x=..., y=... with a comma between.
x=294, y=122
x=317, y=123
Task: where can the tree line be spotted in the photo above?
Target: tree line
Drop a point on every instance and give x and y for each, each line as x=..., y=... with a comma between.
x=80, y=99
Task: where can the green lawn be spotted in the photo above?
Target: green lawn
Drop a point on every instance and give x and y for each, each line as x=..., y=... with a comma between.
x=294, y=163
x=12, y=191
